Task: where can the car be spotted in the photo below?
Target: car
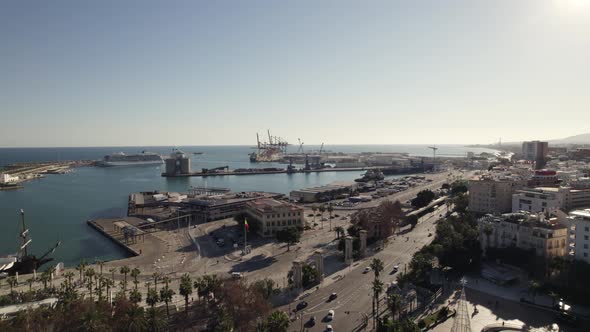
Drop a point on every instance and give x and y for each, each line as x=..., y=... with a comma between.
x=329, y=328
x=330, y=315
x=333, y=296
x=310, y=215
x=367, y=269
x=395, y=268
x=301, y=305
x=336, y=215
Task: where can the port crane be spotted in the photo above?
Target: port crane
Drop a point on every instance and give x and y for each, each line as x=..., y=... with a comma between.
x=300, y=150
x=434, y=148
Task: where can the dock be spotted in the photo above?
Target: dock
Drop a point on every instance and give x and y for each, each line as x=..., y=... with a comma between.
x=264, y=172
x=125, y=232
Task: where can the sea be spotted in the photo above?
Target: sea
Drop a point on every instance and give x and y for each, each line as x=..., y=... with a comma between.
x=58, y=206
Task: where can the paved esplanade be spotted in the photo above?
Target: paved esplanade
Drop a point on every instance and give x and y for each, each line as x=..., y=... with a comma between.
x=461, y=322
x=353, y=290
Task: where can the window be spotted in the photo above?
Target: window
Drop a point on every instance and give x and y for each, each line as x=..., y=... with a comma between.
x=586, y=229
x=585, y=245
x=586, y=237
x=585, y=254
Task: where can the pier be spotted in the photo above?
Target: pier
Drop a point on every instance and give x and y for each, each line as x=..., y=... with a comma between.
x=263, y=172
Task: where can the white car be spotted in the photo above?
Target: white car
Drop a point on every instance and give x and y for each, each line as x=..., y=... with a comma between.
x=330, y=315
x=395, y=268
x=329, y=328
x=367, y=269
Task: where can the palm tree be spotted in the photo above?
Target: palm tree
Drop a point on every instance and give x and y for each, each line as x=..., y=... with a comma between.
x=112, y=271
x=45, y=278
x=322, y=210
x=51, y=271
x=277, y=321
x=314, y=208
x=31, y=281
x=136, y=319
x=12, y=282
x=124, y=270
x=339, y=230
x=185, y=289
x=89, y=282
x=135, y=296
x=81, y=267
x=152, y=297
x=100, y=264
x=108, y=283
x=134, y=274
x=166, y=294
x=156, y=276
x=155, y=320
x=394, y=303
x=377, y=267
x=377, y=290
x=330, y=209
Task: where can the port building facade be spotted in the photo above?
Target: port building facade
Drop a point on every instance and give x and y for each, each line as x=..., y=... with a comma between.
x=272, y=215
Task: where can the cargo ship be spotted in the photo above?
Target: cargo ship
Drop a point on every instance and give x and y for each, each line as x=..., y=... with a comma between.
x=122, y=159
x=23, y=262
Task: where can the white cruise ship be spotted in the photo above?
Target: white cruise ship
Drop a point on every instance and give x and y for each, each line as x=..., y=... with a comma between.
x=121, y=159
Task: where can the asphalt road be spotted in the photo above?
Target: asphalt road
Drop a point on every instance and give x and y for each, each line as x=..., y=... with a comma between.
x=354, y=294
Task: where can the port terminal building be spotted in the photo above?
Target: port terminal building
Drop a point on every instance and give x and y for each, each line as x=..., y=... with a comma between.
x=271, y=216
x=330, y=191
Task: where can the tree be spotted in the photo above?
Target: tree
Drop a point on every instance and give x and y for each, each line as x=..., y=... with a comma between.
x=81, y=267
x=135, y=296
x=377, y=267
x=322, y=209
x=377, y=287
x=12, y=283
x=152, y=297
x=277, y=321
x=134, y=274
x=44, y=279
x=124, y=270
x=330, y=208
x=266, y=287
x=289, y=235
x=394, y=303
x=534, y=287
x=309, y=275
x=461, y=203
x=156, y=277
x=412, y=220
x=155, y=320
x=339, y=231
x=244, y=303
x=185, y=289
x=135, y=319
x=423, y=198
x=487, y=230
x=314, y=209
x=458, y=188
x=166, y=294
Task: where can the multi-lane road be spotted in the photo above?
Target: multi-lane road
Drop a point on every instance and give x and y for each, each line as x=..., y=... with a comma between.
x=354, y=289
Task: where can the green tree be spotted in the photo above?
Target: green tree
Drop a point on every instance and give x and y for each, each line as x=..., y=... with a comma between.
x=309, y=275
x=135, y=320
x=81, y=267
x=322, y=209
x=394, y=303
x=166, y=294
x=423, y=198
x=330, y=209
x=290, y=235
x=185, y=289
x=124, y=270
x=377, y=288
x=44, y=279
x=314, y=209
x=277, y=321
x=266, y=287
x=135, y=296
x=152, y=297
x=412, y=220
x=156, y=321
x=135, y=274
x=377, y=267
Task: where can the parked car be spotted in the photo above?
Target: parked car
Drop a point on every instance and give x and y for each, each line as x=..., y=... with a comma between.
x=333, y=296
x=329, y=328
x=367, y=269
x=395, y=268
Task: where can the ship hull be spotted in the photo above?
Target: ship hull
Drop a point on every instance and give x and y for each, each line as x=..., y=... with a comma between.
x=129, y=163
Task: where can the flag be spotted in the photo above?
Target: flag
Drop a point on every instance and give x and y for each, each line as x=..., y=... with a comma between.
x=246, y=226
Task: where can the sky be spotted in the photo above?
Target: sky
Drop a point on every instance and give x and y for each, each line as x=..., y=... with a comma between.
x=145, y=73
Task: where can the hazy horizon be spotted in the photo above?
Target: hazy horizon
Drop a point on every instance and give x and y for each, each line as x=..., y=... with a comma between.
x=196, y=73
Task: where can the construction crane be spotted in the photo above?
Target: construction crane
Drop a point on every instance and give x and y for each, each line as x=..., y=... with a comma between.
x=300, y=150
x=434, y=148
x=321, y=148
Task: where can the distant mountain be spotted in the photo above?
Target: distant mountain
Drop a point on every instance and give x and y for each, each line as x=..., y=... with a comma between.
x=577, y=139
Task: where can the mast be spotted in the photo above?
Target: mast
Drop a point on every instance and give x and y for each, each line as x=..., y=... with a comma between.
x=24, y=234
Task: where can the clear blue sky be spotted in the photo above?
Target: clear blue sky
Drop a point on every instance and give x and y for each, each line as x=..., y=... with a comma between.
x=102, y=73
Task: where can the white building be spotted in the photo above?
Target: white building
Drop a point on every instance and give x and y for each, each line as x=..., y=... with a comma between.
x=578, y=223
x=7, y=178
x=539, y=199
x=271, y=215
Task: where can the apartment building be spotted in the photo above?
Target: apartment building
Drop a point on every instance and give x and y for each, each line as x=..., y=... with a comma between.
x=493, y=193
x=542, y=199
x=547, y=237
x=578, y=223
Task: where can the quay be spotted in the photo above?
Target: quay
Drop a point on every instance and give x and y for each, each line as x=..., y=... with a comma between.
x=263, y=172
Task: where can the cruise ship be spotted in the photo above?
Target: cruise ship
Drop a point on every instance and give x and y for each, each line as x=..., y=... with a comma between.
x=121, y=159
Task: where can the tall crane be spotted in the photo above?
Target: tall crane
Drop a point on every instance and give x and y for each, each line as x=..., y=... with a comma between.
x=321, y=148
x=300, y=146
x=434, y=148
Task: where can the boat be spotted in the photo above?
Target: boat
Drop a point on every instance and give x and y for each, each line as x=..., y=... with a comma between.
x=22, y=262
x=122, y=159
x=197, y=153
x=371, y=175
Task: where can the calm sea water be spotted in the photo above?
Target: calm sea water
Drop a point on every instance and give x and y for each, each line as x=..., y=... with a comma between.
x=58, y=206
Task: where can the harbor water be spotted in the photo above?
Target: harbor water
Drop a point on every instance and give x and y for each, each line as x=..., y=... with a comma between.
x=58, y=206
